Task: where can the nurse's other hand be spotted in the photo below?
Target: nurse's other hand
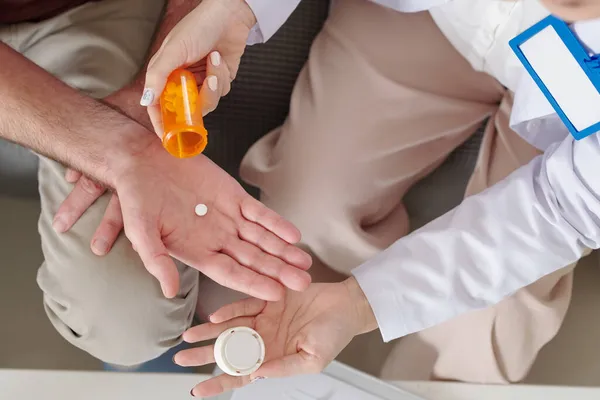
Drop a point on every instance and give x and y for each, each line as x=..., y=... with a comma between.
x=303, y=333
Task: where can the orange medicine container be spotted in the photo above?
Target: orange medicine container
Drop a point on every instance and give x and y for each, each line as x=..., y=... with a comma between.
x=184, y=132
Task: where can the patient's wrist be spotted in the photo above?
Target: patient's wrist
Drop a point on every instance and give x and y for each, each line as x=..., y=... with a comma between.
x=127, y=102
x=131, y=145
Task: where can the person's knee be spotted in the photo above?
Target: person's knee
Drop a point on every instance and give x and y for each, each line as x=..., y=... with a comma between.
x=114, y=309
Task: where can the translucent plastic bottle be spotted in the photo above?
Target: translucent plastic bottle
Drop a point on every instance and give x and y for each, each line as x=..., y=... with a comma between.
x=184, y=133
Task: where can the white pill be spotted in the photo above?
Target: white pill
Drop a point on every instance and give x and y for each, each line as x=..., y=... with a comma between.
x=239, y=351
x=201, y=210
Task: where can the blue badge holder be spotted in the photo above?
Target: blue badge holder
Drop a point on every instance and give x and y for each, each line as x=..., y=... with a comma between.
x=589, y=63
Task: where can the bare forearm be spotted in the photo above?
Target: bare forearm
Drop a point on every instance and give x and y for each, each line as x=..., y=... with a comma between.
x=41, y=113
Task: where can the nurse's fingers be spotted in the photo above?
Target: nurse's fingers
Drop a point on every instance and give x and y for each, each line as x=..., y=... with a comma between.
x=211, y=331
x=244, y=308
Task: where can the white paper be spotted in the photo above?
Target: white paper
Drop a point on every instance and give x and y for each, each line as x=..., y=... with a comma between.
x=564, y=78
x=306, y=387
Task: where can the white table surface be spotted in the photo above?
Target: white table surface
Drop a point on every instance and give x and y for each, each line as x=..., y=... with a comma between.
x=69, y=385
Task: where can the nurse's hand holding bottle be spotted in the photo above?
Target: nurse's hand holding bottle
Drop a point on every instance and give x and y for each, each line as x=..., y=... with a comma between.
x=209, y=42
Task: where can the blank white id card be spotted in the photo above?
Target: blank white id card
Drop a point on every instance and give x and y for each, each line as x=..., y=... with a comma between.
x=337, y=382
x=567, y=75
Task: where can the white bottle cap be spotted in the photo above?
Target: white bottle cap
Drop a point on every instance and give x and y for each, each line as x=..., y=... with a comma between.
x=239, y=351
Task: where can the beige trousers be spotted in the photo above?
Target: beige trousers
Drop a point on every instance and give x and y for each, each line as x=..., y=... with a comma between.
x=382, y=101
x=108, y=306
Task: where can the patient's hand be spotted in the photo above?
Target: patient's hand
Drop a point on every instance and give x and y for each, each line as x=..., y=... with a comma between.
x=303, y=333
x=239, y=243
x=84, y=194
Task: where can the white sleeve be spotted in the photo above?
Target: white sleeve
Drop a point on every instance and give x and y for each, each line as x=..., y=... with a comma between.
x=272, y=14
x=409, y=5
x=538, y=220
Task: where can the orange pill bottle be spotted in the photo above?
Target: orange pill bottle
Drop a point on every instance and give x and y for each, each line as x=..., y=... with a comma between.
x=184, y=133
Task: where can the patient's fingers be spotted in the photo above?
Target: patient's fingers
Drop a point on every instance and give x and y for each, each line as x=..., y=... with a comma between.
x=109, y=229
x=72, y=176
x=83, y=195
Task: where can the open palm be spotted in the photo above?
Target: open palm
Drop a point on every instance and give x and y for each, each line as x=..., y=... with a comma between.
x=303, y=333
x=239, y=243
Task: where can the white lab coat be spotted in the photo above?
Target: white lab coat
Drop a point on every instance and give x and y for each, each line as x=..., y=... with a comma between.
x=538, y=220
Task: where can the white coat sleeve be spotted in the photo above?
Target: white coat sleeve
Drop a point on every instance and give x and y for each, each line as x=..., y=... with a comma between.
x=538, y=220
x=272, y=14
